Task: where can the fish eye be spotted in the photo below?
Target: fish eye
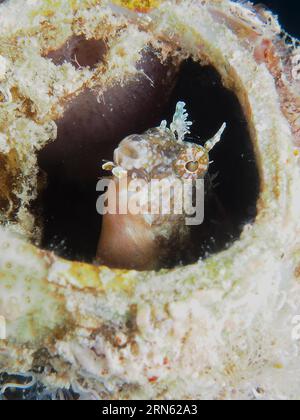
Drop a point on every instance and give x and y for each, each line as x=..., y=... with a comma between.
x=192, y=166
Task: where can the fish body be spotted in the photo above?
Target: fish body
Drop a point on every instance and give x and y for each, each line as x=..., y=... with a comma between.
x=161, y=159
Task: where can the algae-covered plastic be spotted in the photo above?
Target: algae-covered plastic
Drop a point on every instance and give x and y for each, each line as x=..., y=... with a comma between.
x=221, y=326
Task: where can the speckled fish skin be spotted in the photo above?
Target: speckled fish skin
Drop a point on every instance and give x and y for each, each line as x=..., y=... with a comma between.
x=156, y=154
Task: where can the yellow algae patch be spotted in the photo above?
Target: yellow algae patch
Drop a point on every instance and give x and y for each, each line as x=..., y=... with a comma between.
x=142, y=6
x=85, y=276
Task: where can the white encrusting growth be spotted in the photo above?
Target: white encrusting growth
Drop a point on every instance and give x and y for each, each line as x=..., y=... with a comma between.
x=3, y=67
